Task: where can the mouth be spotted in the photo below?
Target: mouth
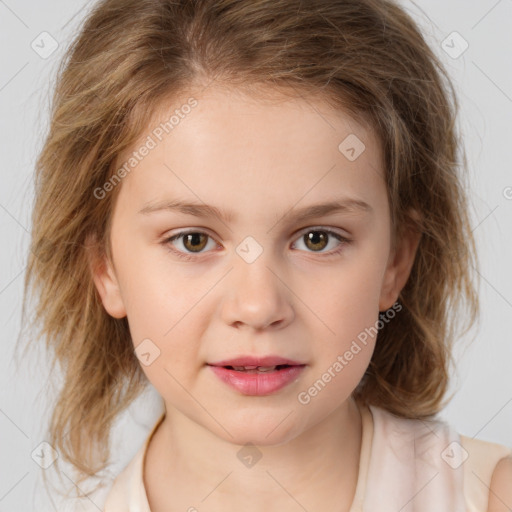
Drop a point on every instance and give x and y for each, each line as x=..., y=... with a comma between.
x=259, y=369
x=250, y=362
x=258, y=380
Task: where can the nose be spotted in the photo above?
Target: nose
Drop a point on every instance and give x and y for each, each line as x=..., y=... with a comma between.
x=257, y=296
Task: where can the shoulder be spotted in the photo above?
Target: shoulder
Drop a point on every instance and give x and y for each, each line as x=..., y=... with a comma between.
x=500, y=491
x=487, y=474
x=477, y=473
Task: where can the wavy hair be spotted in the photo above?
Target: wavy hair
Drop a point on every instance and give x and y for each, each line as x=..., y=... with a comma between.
x=366, y=57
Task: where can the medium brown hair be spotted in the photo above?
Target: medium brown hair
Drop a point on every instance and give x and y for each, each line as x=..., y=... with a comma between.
x=366, y=57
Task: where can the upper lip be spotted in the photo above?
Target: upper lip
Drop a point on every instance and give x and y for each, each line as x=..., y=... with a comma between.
x=263, y=361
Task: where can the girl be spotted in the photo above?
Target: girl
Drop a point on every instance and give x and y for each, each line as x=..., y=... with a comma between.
x=255, y=208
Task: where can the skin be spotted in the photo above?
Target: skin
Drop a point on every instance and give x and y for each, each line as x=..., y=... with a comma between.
x=500, y=491
x=260, y=160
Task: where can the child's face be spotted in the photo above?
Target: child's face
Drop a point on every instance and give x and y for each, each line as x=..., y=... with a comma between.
x=257, y=285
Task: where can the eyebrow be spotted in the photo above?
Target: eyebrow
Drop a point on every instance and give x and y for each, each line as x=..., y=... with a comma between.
x=348, y=205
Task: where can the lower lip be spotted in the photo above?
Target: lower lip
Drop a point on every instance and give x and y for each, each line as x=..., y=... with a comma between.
x=258, y=384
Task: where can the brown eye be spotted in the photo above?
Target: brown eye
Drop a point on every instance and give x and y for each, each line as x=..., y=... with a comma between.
x=316, y=240
x=195, y=242
x=192, y=242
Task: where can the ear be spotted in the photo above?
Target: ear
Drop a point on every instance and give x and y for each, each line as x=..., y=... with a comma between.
x=105, y=280
x=399, y=265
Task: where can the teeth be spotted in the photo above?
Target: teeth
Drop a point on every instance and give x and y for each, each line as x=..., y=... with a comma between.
x=258, y=368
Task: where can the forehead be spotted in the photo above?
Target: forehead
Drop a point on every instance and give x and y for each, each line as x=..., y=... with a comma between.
x=229, y=146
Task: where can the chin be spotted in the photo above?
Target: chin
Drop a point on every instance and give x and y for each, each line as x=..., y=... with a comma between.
x=268, y=431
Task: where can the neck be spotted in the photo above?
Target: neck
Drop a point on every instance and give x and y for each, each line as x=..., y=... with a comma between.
x=193, y=464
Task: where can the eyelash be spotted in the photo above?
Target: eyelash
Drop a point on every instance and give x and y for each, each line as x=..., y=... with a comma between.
x=191, y=256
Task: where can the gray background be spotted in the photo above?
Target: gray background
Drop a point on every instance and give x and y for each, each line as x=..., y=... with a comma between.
x=482, y=405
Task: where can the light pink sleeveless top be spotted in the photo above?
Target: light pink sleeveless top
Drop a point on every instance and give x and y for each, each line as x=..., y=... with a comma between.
x=405, y=465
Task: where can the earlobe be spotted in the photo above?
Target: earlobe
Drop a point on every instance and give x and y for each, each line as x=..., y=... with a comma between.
x=399, y=268
x=105, y=280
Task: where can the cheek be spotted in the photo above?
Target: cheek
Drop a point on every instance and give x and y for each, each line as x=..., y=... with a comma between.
x=346, y=298
x=164, y=318
x=334, y=378
x=348, y=314
x=154, y=294
x=171, y=337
